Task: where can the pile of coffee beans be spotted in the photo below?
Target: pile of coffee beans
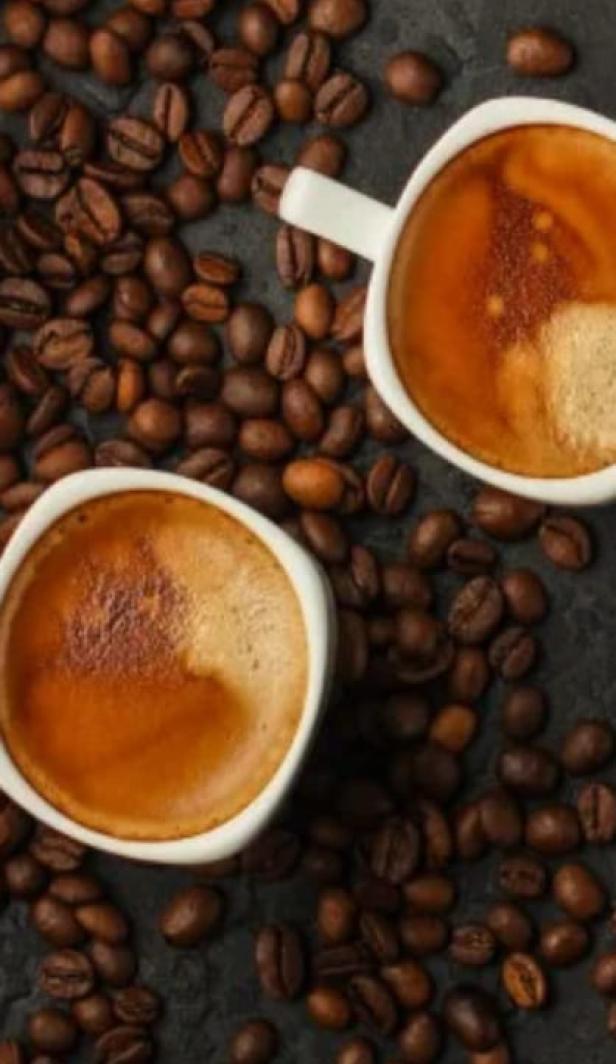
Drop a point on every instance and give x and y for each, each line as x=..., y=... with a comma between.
x=109, y=320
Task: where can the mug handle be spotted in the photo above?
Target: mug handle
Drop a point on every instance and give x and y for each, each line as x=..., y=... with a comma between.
x=329, y=209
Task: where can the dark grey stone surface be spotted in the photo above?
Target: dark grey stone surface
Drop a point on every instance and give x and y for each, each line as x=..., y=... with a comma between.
x=210, y=990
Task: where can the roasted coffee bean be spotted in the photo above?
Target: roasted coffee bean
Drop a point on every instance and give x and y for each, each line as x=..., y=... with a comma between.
x=258, y=28
x=329, y=1007
x=325, y=537
x=410, y=983
x=381, y=423
x=295, y=256
x=20, y=90
x=314, y=310
x=201, y=152
x=603, y=974
x=286, y=11
x=325, y=153
x=210, y=425
x=148, y=213
x=578, y=892
x=324, y=374
x=339, y=963
x=500, y=817
x=134, y=143
x=259, y=484
x=55, y=851
x=170, y=57
x=379, y=934
x=472, y=945
x=524, y=981
x=11, y=1053
x=454, y=727
x=90, y=209
x=413, y=78
x=314, y=483
x=75, y=888
x=103, y=921
x=155, y=424
x=525, y=595
x=423, y=935
x=9, y=472
x=48, y=410
x=235, y=178
x=62, y=342
x=124, y=256
x=190, y=342
x=56, y=922
x=248, y=332
x=256, y=1042
x=120, y=454
x=233, y=68
x=24, y=877
x=563, y=943
x=513, y=652
x=341, y=101
x=431, y=538
x=293, y=100
x=505, y=516
x=51, y=1031
x=190, y=916
x=110, y=57
x=395, y=851
x=336, y=916
x=523, y=712
x=24, y=304
x=471, y=1015
x=272, y=856
x=419, y=635
x=171, y=111
x=522, y=876
x=265, y=440
x=248, y=115
x=124, y=1043
x=209, y=465
x=191, y=197
x=24, y=24
x=66, y=41
x=137, y=1005
x=60, y=452
x=41, y=174
x=250, y=392
x=510, y=925
x=470, y=557
x=167, y=266
x=87, y=297
x=469, y=674
x=94, y=1014
x=337, y=18
x=267, y=186
x=66, y=975
x=566, y=542
x=343, y=432
x=115, y=965
x=587, y=747
x=279, y=959
x=596, y=806
x=334, y=262
x=356, y=1051
x=420, y=1040
x=476, y=611
x=214, y=268
x=206, y=302
x=538, y=52
x=390, y=486
x=285, y=357
x=553, y=830
x=373, y=1003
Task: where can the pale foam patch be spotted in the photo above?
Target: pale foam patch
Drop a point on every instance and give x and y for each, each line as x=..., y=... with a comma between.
x=578, y=349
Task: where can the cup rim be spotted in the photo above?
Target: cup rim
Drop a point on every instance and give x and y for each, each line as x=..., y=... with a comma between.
x=489, y=117
x=318, y=613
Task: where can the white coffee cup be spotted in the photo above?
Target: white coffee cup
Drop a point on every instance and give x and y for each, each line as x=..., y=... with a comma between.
x=319, y=618
x=370, y=229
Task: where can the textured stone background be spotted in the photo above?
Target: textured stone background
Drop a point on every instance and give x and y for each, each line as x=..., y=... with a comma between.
x=210, y=990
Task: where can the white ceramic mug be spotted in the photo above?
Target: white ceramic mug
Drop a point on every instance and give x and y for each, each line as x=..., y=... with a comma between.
x=372, y=230
x=319, y=618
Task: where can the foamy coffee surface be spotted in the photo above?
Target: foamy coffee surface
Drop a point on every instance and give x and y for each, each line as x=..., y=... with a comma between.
x=502, y=303
x=154, y=665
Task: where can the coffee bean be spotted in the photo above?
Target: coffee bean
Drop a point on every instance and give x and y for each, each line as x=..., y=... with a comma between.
x=603, y=974
x=510, y=925
x=324, y=374
x=529, y=770
x=41, y=174
x=336, y=916
x=404, y=586
x=24, y=24
x=210, y=425
x=566, y=542
x=553, y=830
x=256, y=1042
x=209, y=465
x=471, y=1015
x=115, y=965
x=524, y=981
x=513, y=652
x=134, y=143
x=286, y=353
x=413, y=78
x=329, y=1008
x=259, y=485
x=587, y=747
x=523, y=712
x=538, y=52
x=295, y=256
x=171, y=111
x=170, y=57
x=120, y=454
x=314, y=310
x=248, y=115
x=337, y=18
x=250, y=392
x=395, y=851
x=563, y=943
x=126, y=1042
x=314, y=483
x=137, y=1005
x=20, y=90
x=66, y=41
x=356, y=1051
x=522, y=876
x=471, y=842
x=167, y=266
x=103, y=921
x=110, y=57
x=272, y=856
x=75, y=888
x=469, y=674
x=235, y=178
x=258, y=28
x=324, y=153
x=90, y=209
x=525, y=595
x=11, y=1053
x=470, y=557
x=233, y=68
x=206, y=302
x=190, y=916
x=472, y=945
x=201, y=152
x=279, y=959
x=94, y=1014
x=24, y=304
x=476, y=611
x=56, y=923
x=147, y=213
x=267, y=186
x=55, y=851
x=51, y=1031
x=286, y=11
x=431, y=538
x=87, y=297
x=24, y=876
x=293, y=101
x=265, y=440
x=423, y=935
x=501, y=821
x=420, y=1040
x=505, y=516
x=342, y=100
x=578, y=892
x=191, y=197
x=390, y=486
x=379, y=934
x=373, y=1003
x=596, y=806
x=66, y=975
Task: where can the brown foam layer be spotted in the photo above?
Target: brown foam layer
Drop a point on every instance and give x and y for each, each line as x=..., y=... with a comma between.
x=507, y=237
x=154, y=665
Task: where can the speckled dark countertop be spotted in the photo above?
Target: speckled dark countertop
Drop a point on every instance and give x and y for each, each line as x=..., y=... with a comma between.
x=208, y=991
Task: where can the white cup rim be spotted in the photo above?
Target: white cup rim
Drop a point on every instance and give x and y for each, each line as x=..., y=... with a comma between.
x=318, y=614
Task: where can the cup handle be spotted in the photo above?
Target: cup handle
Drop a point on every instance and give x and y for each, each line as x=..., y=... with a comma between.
x=329, y=209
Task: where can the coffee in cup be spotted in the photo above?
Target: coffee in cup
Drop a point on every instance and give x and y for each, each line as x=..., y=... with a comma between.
x=154, y=665
x=502, y=301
